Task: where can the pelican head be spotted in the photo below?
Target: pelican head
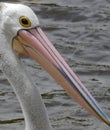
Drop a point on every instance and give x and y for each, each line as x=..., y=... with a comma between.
x=22, y=35
x=15, y=18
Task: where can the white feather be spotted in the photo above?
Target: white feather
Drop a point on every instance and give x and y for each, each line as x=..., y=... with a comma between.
x=33, y=108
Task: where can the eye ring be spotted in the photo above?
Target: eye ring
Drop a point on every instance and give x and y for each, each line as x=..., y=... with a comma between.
x=24, y=21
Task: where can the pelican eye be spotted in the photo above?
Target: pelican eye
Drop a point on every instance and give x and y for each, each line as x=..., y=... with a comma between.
x=24, y=21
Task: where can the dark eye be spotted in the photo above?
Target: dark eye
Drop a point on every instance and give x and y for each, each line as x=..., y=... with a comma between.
x=25, y=22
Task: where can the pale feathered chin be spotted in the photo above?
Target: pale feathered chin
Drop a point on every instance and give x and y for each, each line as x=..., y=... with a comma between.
x=35, y=44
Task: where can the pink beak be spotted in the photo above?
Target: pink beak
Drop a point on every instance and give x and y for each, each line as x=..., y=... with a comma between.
x=36, y=45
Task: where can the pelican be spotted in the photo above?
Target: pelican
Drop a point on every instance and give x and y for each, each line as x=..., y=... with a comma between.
x=21, y=34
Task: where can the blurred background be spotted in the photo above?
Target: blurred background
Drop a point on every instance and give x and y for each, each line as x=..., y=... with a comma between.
x=80, y=30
